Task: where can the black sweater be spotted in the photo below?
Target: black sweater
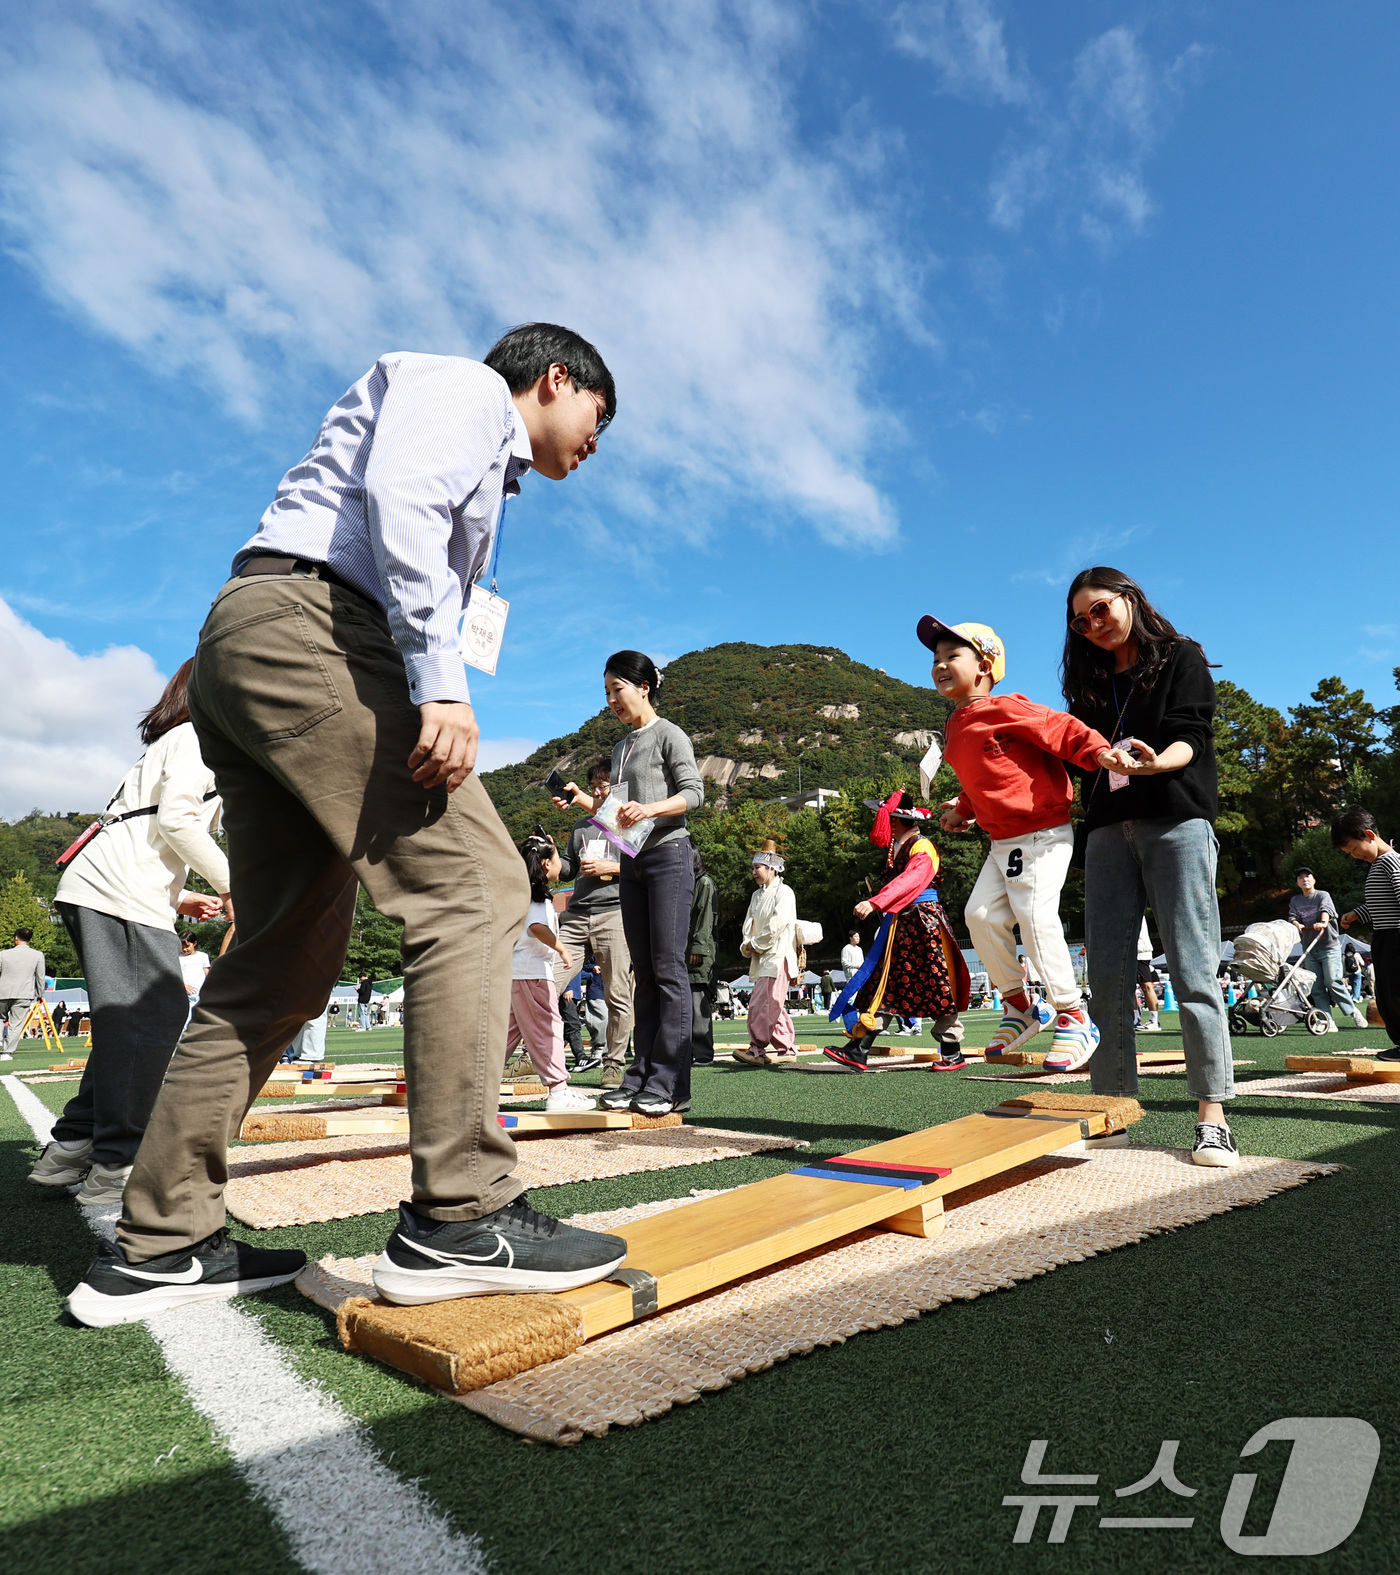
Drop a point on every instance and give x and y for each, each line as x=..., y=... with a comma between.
x=1180, y=706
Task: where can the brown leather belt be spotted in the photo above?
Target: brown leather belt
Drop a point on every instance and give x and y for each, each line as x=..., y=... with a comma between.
x=302, y=566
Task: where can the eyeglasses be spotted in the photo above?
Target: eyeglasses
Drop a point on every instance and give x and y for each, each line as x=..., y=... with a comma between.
x=603, y=417
x=1098, y=613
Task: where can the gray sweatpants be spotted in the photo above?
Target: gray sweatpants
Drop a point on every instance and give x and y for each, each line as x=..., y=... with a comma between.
x=139, y=1007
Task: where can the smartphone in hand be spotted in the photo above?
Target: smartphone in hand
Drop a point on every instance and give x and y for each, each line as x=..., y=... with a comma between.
x=555, y=785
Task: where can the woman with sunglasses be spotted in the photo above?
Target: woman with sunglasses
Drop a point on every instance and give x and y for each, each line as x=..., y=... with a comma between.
x=1151, y=839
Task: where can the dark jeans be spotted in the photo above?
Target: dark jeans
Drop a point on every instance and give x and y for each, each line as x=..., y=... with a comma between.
x=139, y=1007
x=1385, y=957
x=656, y=888
x=702, y=1028
x=573, y=1031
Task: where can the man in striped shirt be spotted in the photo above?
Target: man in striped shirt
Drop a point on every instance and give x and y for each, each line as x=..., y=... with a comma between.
x=1354, y=832
x=330, y=700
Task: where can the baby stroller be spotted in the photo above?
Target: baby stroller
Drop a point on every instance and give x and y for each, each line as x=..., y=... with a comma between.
x=1261, y=954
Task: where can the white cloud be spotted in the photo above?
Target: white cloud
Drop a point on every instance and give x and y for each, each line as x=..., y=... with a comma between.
x=1087, y=155
x=1085, y=550
x=248, y=206
x=963, y=41
x=67, y=722
x=493, y=753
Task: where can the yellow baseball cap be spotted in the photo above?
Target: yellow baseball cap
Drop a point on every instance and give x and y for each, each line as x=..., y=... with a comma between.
x=981, y=637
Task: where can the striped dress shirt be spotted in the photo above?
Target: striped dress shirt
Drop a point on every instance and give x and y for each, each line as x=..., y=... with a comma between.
x=401, y=495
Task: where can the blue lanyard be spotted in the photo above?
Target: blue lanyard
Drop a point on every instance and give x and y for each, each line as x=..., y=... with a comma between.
x=496, y=545
x=1118, y=725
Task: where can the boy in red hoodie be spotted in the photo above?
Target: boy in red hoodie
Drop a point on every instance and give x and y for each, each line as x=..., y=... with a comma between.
x=1008, y=754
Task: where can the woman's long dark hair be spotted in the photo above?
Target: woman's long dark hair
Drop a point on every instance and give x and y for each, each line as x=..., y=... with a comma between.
x=1086, y=671
x=170, y=710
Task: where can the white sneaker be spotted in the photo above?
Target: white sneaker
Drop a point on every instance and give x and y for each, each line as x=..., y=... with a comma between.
x=104, y=1184
x=1360, y=1020
x=569, y=1099
x=62, y=1164
x=1331, y=1025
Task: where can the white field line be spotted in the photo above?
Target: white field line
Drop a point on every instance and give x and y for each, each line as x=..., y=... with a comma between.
x=343, y=1511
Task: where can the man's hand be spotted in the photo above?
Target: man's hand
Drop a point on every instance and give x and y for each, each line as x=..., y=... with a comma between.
x=201, y=908
x=599, y=867
x=446, y=748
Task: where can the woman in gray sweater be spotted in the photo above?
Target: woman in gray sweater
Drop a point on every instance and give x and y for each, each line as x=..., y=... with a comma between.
x=653, y=768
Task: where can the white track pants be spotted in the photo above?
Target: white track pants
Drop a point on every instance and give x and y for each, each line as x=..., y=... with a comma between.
x=1020, y=884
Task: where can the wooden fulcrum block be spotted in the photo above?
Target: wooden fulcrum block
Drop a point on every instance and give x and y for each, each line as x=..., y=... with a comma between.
x=1358, y=1069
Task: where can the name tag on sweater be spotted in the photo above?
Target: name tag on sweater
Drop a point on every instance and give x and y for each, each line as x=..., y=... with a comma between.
x=483, y=629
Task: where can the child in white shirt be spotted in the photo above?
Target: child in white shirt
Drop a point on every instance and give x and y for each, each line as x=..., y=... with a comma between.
x=534, y=1005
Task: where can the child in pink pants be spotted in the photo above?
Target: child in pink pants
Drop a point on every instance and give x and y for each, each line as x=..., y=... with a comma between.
x=534, y=1003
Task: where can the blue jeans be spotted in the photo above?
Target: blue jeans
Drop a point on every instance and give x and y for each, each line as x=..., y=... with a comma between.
x=1331, y=989
x=1170, y=864
x=655, y=890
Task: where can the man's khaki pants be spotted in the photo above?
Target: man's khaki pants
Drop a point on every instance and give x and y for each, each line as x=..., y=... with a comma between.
x=602, y=930
x=300, y=701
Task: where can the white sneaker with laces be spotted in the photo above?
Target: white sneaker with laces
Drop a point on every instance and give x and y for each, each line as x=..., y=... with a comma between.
x=569, y=1099
x=104, y=1184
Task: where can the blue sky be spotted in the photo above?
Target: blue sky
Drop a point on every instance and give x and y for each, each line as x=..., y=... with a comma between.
x=912, y=307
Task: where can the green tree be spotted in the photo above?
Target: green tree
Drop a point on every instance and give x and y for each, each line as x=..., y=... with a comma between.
x=20, y=909
x=376, y=943
x=1332, y=737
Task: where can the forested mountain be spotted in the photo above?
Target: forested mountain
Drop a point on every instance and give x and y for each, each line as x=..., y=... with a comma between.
x=766, y=722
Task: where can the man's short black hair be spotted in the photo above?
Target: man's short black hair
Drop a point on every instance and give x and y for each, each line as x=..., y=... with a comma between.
x=525, y=354
x=600, y=768
x=24, y=935
x=1351, y=826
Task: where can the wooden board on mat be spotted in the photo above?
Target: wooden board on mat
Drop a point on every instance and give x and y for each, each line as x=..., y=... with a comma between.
x=723, y=1238
x=337, y=1074
x=1358, y=1069
x=319, y=1090
x=366, y=1123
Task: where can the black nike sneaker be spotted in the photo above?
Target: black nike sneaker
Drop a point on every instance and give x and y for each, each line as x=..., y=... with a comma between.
x=514, y=1249
x=115, y=1290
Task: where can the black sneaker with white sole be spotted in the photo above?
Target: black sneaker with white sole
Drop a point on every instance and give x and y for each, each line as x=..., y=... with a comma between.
x=1393, y=1054
x=1215, y=1145
x=115, y=1290
x=514, y=1249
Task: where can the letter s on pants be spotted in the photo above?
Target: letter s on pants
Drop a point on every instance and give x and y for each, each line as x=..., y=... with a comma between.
x=1324, y=1486
x=1013, y=864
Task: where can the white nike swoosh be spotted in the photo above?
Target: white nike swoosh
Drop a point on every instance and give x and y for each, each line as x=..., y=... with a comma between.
x=502, y=1246
x=184, y=1277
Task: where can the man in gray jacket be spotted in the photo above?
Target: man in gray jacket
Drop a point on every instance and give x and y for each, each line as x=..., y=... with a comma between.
x=21, y=984
x=594, y=918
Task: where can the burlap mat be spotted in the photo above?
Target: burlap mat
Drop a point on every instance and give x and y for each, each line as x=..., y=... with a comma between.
x=274, y=1184
x=1008, y=1229
x=1321, y=1085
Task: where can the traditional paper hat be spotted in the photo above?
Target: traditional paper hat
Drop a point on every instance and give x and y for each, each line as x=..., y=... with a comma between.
x=768, y=854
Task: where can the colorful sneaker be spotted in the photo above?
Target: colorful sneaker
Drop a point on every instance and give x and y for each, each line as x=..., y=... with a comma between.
x=1018, y=1028
x=1215, y=1145
x=1076, y=1039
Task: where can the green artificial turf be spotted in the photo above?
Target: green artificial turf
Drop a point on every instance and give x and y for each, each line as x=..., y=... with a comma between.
x=890, y=1453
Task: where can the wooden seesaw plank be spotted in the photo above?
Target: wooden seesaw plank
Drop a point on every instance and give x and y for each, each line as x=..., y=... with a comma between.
x=723, y=1238
x=275, y=1127
x=336, y=1074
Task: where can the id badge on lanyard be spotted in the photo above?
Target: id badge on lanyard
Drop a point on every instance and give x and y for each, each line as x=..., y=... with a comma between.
x=1119, y=779
x=483, y=628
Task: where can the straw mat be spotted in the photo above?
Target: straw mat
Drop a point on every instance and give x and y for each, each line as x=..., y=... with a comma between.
x=299, y=1183
x=1010, y=1228
x=1322, y=1085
